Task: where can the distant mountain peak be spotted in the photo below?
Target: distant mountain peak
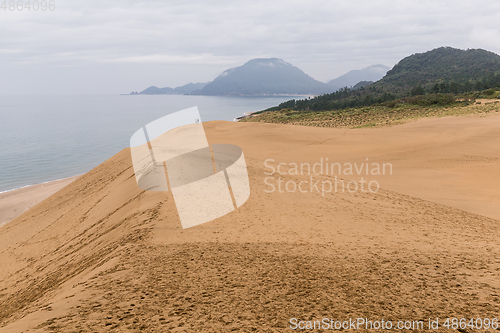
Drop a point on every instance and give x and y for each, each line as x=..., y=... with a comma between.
x=264, y=76
x=182, y=90
x=269, y=61
x=379, y=68
x=350, y=79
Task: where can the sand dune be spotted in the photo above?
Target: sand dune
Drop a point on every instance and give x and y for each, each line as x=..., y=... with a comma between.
x=104, y=255
x=14, y=203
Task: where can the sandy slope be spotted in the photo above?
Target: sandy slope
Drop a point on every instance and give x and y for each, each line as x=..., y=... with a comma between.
x=14, y=203
x=103, y=255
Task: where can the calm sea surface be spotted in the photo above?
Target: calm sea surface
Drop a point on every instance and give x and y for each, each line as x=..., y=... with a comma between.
x=44, y=138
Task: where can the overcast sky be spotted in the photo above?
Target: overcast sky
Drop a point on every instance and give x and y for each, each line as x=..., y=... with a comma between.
x=111, y=46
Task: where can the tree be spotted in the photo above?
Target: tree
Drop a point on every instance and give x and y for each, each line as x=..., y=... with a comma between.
x=418, y=90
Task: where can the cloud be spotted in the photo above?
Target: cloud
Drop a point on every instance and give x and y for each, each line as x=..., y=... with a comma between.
x=324, y=38
x=206, y=59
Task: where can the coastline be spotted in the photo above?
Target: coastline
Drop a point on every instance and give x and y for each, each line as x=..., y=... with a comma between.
x=245, y=115
x=30, y=185
x=16, y=201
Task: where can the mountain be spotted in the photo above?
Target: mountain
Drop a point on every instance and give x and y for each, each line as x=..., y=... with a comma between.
x=189, y=88
x=371, y=73
x=264, y=77
x=361, y=84
x=444, y=70
x=185, y=89
x=441, y=65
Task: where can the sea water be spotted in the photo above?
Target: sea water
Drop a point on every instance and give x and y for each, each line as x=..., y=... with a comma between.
x=44, y=138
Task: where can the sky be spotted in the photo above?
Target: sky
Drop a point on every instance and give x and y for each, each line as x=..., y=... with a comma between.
x=113, y=47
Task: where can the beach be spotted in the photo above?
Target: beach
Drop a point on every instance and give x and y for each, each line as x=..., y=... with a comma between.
x=15, y=202
x=418, y=241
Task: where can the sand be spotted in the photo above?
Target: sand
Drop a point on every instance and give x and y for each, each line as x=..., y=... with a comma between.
x=14, y=203
x=101, y=255
x=483, y=101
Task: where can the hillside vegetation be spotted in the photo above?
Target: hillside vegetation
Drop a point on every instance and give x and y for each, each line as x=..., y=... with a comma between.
x=444, y=70
x=463, y=73
x=375, y=115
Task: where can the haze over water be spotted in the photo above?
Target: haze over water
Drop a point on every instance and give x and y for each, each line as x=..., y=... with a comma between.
x=44, y=138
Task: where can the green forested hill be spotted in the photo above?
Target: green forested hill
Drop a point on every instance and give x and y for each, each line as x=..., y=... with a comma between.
x=442, y=65
x=435, y=73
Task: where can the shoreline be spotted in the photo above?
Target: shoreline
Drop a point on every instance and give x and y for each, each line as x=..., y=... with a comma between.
x=17, y=201
x=42, y=183
x=246, y=115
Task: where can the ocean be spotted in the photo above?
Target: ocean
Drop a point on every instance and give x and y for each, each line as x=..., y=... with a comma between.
x=45, y=138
